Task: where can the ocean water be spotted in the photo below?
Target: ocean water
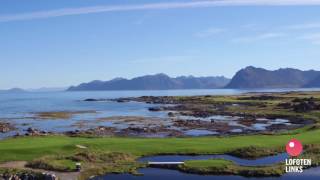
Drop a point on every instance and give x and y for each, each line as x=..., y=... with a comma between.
x=20, y=108
x=17, y=103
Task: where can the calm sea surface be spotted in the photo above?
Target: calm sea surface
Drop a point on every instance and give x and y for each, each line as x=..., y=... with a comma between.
x=20, y=108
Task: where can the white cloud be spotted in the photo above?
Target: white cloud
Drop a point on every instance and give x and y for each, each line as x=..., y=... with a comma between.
x=152, y=6
x=304, y=26
x=258, y=37
x=209, y=32
x=314, y=38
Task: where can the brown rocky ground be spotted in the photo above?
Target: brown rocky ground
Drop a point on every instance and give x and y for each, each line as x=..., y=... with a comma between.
x=22, y=166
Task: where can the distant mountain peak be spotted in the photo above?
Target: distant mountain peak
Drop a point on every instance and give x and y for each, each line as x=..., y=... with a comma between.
x=250, y=67
x=161, y=74
x=253, y=77
x=118, y=79
x=13, y=90
x=158, y=81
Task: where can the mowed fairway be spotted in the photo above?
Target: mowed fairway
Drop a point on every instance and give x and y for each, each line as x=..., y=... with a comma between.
x=28, y=148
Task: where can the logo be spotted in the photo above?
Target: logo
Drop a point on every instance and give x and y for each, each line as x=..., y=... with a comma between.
x=294, y=148
x=294, y=164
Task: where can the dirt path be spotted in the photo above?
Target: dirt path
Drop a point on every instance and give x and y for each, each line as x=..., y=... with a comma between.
x=60, y=175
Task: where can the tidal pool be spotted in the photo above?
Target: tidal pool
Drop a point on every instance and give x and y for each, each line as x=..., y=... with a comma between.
x=160, y=174
x=269, y=160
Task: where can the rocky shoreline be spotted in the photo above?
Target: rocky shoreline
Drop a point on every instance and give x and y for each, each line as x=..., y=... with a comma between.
x=190, y=116
x=6, y=127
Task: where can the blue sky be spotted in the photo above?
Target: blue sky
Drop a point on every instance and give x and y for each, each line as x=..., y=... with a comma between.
x=46, y=43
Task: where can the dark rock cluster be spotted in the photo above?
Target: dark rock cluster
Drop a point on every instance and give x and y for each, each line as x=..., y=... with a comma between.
x=97, y=131
x=35, y=132
x=6, y=127
x=261, y=97
x=305, y=106
x=28, y=176
x=92, y=100
x=301, y=105
x=150, y=131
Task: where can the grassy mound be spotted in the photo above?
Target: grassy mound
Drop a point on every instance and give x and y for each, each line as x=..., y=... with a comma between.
x=253, y=152
x=53, y=163
x=224, y=167
x=66, y=163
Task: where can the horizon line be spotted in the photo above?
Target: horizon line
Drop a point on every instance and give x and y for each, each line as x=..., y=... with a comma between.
x=152, y=74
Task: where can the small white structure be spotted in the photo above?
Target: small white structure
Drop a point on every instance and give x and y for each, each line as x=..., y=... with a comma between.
x=165, y=163
x=78, y=166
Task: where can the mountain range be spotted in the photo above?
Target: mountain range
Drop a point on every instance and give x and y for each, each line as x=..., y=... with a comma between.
x=154, y=82
x=13, y=90
x=252, y=77
x=246, y=78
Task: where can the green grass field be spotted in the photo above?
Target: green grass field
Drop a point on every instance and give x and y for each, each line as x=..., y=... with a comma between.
x=28, y=148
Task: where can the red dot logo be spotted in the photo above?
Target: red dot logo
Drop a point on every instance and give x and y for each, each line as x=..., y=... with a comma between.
x=294, y=147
